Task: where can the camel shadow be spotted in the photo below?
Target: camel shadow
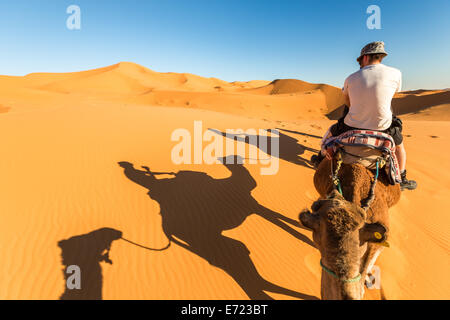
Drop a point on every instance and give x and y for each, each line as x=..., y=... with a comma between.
x=289, y=148
x=197, y=208
x=86, y=252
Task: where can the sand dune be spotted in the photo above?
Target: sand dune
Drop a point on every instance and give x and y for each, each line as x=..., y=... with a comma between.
x=332, y=95
x=129, y=78
x=416, y=105
x=423, y=104
x=440, y=112
x=67, y=195
x=131, y=83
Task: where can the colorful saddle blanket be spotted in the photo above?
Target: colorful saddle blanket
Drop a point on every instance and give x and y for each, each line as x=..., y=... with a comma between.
x=366, y=139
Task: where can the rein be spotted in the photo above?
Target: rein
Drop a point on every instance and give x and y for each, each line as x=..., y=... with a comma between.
x=366, y=203
x=334, y=173
x=334, y=275
x=147, y=248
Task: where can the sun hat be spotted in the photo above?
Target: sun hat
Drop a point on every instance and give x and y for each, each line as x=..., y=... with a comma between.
x=376, y=47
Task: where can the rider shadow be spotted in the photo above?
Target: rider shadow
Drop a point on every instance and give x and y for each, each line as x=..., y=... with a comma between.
x=302, y=134
x=197, y=208
x=289, y=148
x=86, y=252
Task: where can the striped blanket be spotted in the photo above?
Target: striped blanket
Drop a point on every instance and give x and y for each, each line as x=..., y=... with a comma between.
x=366, y=138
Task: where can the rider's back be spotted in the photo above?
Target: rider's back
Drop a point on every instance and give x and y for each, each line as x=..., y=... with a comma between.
x=371, y=90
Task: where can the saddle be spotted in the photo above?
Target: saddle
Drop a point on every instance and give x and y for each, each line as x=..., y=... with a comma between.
x=372, y=149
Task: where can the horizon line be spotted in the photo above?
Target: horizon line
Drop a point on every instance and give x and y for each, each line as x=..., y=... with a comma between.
x=203, y=76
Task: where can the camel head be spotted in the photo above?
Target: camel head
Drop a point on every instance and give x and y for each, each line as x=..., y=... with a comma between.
x=341, y=234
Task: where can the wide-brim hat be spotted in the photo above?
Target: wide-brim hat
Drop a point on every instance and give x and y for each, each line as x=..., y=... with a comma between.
x=376, y=47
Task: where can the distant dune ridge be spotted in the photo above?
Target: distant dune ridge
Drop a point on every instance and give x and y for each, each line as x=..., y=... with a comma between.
x=130, y=78
x=65, y=196
x=294, y=99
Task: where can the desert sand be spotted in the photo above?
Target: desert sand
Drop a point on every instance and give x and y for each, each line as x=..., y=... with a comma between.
x=63, y=136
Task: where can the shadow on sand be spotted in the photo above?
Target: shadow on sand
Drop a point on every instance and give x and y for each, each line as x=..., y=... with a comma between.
x=289, y=148
x=87, y=251
x=197, y=208
x=302, y=134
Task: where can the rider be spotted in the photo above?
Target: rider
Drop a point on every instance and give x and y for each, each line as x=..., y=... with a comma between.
x=368, y=94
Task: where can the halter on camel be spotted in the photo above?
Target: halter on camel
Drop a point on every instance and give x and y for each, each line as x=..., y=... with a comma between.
x=365, y=204
x=380, y=162
x=334, y=275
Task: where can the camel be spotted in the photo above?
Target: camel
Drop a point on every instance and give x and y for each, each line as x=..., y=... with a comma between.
x=349, y=238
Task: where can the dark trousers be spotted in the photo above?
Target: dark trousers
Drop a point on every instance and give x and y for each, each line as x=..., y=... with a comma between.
x=395, y=130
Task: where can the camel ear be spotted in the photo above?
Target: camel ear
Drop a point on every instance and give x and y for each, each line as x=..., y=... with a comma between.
x=373, y=232
x=317, y=204
x=309, y=220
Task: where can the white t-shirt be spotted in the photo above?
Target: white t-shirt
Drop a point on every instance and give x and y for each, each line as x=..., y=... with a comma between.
x=371, y=90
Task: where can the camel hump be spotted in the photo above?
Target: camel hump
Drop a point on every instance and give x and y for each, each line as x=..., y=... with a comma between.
x=356, y=181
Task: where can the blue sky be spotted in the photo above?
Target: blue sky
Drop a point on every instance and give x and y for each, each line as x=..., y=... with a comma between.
x=316, y=41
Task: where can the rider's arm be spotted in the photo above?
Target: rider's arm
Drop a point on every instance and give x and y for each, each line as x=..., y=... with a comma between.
x=347, y=100
x=345, y=93
x=399, y=87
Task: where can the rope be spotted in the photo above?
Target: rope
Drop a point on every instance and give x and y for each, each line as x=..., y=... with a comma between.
x=339, y=187
x=334, y=174
x=147, y=248
x=334, y=275
x=365, y=204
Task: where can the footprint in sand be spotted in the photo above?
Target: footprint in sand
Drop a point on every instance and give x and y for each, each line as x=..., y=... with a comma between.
x=434, y=137
x=316, y=126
